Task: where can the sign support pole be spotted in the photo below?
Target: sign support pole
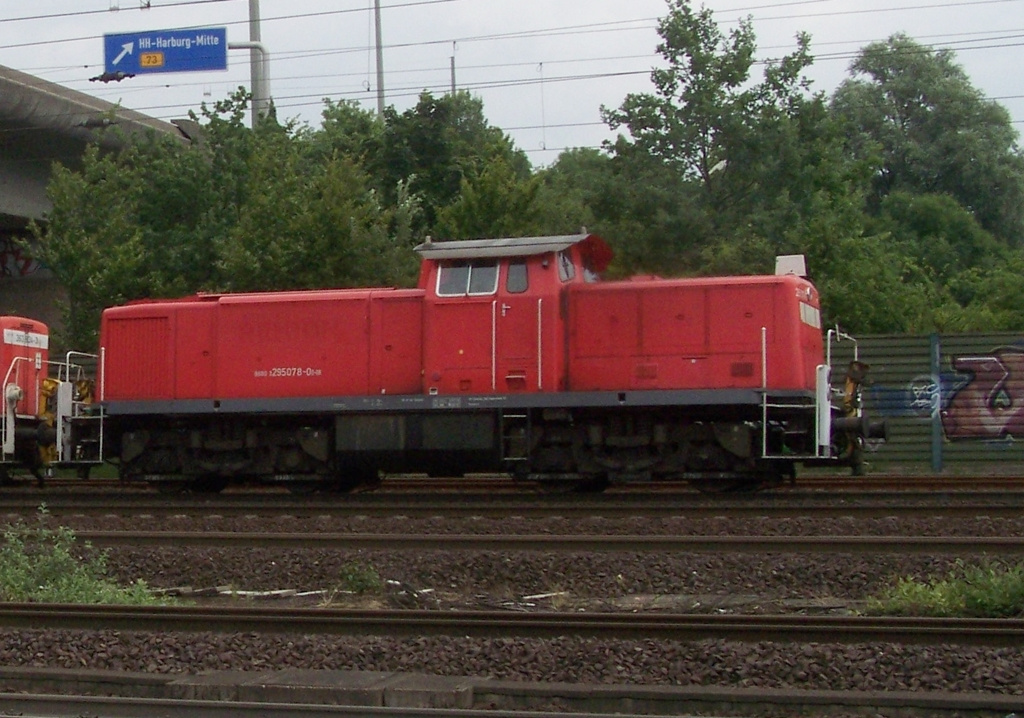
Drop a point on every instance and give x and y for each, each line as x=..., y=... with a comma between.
x=380, y=60
x=261, y=91
x=257, y=65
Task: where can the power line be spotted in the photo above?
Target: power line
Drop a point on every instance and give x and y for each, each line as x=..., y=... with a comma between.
x=905, y=8
x=529, y=81
x=548, y=32
x=300, y=16
x=82, y=13
x=821, y=57
x=309, y=99
x=304, y=100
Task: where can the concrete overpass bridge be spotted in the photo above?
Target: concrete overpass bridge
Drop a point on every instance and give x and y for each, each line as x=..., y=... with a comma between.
x=42, y=123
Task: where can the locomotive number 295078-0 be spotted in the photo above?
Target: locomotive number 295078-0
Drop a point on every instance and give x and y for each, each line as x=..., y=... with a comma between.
x=278, y=372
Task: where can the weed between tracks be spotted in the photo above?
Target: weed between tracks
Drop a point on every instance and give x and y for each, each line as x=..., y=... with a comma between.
x=993, y=589
x=39, y=563
x=46, y=565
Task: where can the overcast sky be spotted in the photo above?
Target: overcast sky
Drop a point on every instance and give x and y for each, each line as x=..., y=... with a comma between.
x=543, y=68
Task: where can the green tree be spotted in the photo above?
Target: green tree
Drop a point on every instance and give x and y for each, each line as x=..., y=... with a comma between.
x=437, y=144
x=573, y=190
x=253, y=209
x=347, y=130
x=990, y=298
x=752, y=161
x=702, y=99
x=943, y=236
x=126, y=226
x=315, y=227
x=912, y=112
x=494, y=203
x=867, y=286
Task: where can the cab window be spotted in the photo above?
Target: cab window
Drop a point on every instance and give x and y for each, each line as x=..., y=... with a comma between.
x=566, y=269
x=461, y=278
x=517, y=281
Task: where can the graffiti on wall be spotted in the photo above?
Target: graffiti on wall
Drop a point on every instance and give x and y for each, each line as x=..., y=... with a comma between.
x=14, y=260
x=986, y=396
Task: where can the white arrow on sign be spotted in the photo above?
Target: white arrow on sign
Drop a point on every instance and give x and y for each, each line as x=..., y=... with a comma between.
x=126, y=50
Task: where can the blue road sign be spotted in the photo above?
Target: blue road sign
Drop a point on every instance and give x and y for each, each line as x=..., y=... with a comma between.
x=167, y=51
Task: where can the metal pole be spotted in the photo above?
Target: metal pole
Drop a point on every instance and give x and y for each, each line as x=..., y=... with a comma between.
x=935, y=366
x=260, y=91
x=260, y=97
x=380, y=60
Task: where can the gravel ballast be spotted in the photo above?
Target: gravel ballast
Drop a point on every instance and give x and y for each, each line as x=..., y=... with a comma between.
x=886, y=667
x=717, y=582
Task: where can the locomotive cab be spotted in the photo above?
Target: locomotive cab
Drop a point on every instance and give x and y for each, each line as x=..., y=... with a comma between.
x=493, y=314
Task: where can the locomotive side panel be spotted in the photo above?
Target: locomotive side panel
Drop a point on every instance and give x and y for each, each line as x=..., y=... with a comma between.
x=458, y=346
x=692, y=334
x=194, y=357
x=396, y=331
x=796, y=348
x=738, y=313
x=138, y=352
x=345, y=342
x=293, y=345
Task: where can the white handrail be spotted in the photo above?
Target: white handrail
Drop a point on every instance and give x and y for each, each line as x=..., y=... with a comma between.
x=540, y=344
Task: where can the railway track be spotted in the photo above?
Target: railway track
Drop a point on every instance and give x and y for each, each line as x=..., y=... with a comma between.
x=477, y=483
x=497, y=624
x=902, y=545
x=102, y=706
x=1005, y=504
x=534, y=699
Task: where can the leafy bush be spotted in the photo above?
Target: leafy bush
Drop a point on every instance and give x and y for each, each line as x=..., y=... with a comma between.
x=359, y=579
x=992, y=590
x=43, y=564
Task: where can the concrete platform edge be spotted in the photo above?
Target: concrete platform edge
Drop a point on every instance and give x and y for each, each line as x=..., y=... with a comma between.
x=411, y=690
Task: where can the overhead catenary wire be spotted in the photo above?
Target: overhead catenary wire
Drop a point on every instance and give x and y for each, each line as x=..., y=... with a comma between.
x=285, y=101
x=403, y=90
x=959, y=45
x=649, y=22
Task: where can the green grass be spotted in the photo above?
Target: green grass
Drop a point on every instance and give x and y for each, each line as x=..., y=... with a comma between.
x=993, y=589
x=47, y=565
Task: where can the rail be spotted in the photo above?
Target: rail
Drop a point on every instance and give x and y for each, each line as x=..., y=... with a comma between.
x=898, y=545
x=1003, y=633
x=872, y=504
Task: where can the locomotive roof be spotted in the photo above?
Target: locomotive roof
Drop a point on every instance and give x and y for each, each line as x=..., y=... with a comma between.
x=511, y=247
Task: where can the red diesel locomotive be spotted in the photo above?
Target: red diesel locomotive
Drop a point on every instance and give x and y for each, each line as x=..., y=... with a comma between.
x=510, y=356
